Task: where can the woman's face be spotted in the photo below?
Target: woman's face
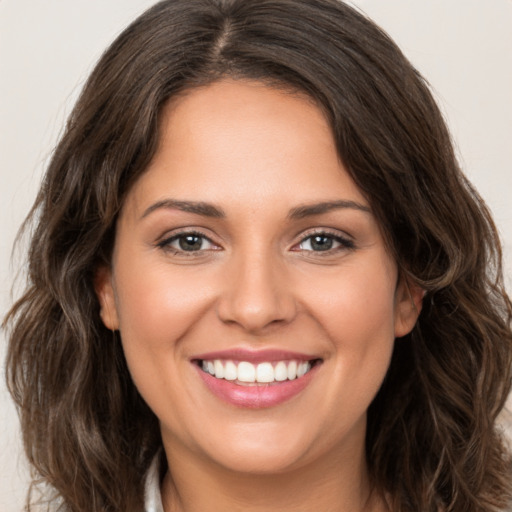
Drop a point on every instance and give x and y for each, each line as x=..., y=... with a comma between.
x=247, y=251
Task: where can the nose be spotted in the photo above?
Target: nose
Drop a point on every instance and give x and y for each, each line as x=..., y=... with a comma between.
x=257, y=294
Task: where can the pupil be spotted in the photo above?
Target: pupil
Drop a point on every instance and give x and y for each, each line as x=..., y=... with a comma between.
x=190, y=243
x=321, y=243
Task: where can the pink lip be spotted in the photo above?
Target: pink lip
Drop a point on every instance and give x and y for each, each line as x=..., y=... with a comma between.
x=255, y=356
x=256, y=396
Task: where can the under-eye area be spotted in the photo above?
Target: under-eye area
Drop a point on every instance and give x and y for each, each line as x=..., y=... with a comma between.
x=245, y=372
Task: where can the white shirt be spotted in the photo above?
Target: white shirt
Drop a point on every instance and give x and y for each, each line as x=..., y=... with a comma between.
x=152, y=495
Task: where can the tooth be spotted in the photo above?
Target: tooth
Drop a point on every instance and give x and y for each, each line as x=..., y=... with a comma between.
x=230, y=372
x=219, y=369
x=292, y=370
x=265, y=372
x=302, y=369
x=246, y=372
x=280, y=372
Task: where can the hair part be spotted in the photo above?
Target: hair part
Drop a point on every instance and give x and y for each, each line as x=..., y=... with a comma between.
x=432, y=443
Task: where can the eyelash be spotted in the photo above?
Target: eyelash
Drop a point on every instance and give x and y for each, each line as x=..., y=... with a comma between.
x=166, y=243
x=344, y=243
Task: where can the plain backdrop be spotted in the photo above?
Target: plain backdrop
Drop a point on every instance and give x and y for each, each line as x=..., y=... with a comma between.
x=47, y=49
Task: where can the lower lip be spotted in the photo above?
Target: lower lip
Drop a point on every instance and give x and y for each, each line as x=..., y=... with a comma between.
x=256, y=396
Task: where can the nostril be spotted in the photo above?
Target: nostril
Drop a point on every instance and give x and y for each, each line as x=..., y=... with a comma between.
x=256, y=295
x=256, y=313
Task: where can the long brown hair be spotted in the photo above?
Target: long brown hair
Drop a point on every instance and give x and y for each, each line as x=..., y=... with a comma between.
x=432, y=443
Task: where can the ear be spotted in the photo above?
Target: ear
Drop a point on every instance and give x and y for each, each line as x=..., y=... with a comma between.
x=408, y=303
x=106, y=297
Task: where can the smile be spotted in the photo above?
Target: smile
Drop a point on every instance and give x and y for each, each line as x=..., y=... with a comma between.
x=245, y=372
x=256, y=379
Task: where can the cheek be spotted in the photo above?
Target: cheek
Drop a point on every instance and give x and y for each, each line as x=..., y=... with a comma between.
x=159, y=305
x=159, y=309
x=356, y=310
x=357, y=303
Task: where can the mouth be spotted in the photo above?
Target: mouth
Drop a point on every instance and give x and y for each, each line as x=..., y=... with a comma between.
x=246, y=373
x=256, y=379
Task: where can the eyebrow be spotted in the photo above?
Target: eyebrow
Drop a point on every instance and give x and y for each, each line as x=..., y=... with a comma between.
x=199, y=208
x=318, y=208
x=209, y=210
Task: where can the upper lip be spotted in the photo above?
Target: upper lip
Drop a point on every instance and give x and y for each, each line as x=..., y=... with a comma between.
x=255, y=356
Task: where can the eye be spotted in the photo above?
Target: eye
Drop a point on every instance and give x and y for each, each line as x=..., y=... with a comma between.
x=187, y=242
x=324, y=242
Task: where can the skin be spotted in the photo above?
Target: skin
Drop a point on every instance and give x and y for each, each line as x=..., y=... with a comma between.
x=256, y=154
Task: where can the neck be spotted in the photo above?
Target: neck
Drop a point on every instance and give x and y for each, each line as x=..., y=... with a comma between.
x=337, y=482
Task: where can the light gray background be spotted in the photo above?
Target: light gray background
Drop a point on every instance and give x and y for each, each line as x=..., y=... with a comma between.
x=47, y=48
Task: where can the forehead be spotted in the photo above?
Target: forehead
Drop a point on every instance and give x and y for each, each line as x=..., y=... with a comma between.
x=245, y=141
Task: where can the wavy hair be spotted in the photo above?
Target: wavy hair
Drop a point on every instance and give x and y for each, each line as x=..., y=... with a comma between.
x=432, y=442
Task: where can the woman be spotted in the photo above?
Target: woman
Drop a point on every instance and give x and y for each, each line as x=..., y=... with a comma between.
x=258, y=279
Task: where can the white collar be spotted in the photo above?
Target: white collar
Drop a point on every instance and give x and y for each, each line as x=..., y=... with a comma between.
x=152, y=494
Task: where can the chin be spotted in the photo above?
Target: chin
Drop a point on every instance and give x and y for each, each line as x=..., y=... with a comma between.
x=267, y=460
x=264, y=449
